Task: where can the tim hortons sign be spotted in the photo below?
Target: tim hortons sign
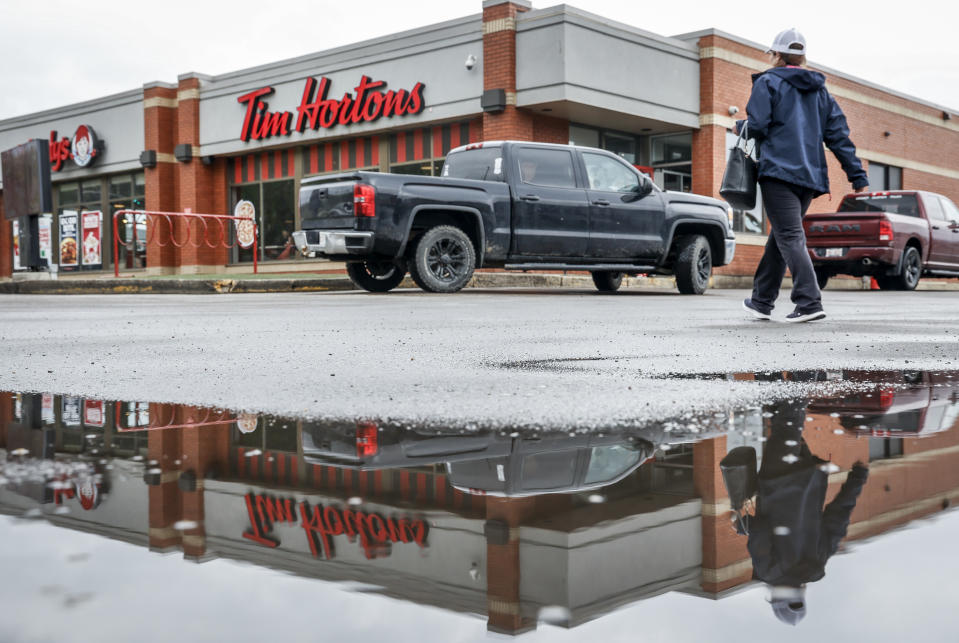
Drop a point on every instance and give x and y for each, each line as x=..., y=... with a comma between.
x=369, y=101
x=374, y=533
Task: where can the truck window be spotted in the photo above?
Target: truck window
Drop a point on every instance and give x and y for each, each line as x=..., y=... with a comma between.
x=608, y=174
x=905, y=204
x=933, y=209
x=481, y=164
x=545, y=167
x=952, y=212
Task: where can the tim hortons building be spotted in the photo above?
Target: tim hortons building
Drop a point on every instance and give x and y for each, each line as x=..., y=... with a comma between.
x=400, y=103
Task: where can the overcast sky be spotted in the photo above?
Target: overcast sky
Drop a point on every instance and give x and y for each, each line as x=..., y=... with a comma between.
x=57, y=52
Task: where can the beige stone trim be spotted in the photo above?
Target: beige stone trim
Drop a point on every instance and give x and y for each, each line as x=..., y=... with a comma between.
x=497, y=606
x=717, y=508
x=163, y=532
x=163, y=157
x=888, y=159
x=716, y=119
x=850, y=94
x=159, y=101
x=188, y=94
x=194, y=541
x=729, y=572
x=503, y=24
x=511, y=98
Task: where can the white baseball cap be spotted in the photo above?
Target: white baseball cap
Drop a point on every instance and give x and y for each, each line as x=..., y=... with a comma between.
x=786, y=38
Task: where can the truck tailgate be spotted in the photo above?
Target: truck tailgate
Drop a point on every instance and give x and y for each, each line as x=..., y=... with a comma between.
x=842, y=229
x=328, y=206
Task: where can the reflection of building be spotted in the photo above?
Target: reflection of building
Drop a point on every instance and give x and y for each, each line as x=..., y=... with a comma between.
x=400, y=103
x=208, y=489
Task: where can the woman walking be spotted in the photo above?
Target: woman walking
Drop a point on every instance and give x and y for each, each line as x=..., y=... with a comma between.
x=791, y=114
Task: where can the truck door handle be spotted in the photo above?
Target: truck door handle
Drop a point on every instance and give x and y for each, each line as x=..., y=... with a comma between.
x=600, y=202
x=935, y=227
x=529, y=197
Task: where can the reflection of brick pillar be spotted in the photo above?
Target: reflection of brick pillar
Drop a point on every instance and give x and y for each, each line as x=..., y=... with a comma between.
x=202, y=187
x=204, y=453
x=160, y=121
x=499, y=70
x=6, y=244
x=6, y=411
x=163, y=450
x=726, y=561
x=504, y=516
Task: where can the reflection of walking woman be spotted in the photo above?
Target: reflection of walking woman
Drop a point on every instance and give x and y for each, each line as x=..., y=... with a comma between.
x=791, y=535
x=791, y=114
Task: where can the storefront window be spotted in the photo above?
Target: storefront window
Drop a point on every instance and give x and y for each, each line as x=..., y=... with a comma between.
x=128, y=192
x=672, y=156
x=276, y=217
x=624, y=146
x=884, y=177
x=628, y=146
x=584, y=136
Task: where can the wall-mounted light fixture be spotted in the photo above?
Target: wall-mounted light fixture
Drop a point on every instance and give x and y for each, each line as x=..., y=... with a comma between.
x=148, y=158
x=183, y=152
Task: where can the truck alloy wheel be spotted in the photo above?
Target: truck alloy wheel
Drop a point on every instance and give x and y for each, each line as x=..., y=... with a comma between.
x=607, y=281
x=376, y=276
x=443, y=260
x=694, y=264
x=908, y=279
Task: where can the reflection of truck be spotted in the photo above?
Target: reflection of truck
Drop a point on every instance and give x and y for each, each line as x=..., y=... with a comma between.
x=486, y=461
x=904, y=404
x=520, y=206
x=895, y=236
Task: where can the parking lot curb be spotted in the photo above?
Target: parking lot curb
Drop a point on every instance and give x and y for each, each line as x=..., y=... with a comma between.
x=330, y=283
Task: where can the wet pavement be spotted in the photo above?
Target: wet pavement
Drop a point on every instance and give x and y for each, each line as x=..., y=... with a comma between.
x=367, y=526
x=516, y=357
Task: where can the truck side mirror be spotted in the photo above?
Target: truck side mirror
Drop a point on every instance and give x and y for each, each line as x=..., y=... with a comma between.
x=645, y=186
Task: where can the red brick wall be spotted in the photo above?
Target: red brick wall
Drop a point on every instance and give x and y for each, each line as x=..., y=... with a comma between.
x=499, y=72
x=549, y=129
x=160, y=124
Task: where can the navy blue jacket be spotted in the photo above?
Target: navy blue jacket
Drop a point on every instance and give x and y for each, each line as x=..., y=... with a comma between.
x=795, y=501
x=791, y=114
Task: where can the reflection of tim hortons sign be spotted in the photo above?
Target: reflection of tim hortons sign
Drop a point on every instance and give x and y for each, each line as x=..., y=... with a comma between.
x=376, y=534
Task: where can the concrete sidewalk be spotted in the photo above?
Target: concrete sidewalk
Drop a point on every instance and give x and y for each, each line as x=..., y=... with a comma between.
x=332, y=280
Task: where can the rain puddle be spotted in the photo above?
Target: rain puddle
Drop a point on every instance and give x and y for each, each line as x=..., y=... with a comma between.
x=676, y=524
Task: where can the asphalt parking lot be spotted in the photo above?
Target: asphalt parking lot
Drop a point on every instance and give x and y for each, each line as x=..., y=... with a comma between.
x=565, y=358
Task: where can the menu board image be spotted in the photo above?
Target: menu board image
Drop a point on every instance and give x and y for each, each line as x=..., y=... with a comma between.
x=93, y=413
x=90, y=245
x=71, y=411
x=69, y=256
x=45, y=228
x=16, y=245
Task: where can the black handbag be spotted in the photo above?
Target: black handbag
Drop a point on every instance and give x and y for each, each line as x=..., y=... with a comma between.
x=740, y=476
x=742, y=172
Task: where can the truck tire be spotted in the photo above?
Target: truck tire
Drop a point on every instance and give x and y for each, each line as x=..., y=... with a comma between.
x=822, y=278
x=376, y=276
x=607, y=280
x=443, y=259
x=908, y=277
x=694, y=264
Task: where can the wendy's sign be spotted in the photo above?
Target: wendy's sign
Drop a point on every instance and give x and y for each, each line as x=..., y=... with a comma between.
x=83, y=148
x=368, y=102
x=374, y=533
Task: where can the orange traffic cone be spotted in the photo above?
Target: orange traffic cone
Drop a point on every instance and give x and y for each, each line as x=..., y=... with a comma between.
x=873, y=284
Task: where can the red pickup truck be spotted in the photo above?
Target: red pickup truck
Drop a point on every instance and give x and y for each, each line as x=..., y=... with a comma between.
x=896, y=237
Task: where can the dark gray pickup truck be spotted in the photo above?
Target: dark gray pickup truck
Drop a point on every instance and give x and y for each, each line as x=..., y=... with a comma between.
x=518, y=206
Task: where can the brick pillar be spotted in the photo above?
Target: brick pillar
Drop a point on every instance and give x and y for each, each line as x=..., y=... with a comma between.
x=709, y=141
x=6, y=243
x=198, y=184
x=160, y=122
x=499, y=70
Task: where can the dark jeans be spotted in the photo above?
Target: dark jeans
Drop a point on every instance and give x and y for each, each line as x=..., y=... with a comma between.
x=786, y=204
